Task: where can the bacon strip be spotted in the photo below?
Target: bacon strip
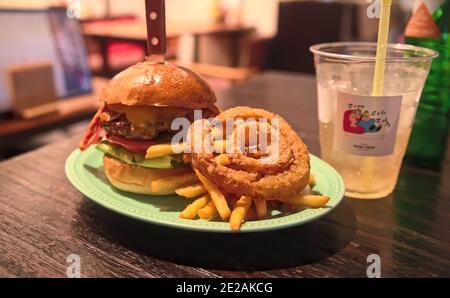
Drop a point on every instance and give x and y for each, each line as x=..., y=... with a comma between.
x=93, y=131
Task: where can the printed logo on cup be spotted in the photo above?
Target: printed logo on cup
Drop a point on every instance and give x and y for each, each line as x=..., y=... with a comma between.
x=367, y=125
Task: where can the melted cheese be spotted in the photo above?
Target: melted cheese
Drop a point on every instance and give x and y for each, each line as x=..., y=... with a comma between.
x=141, y=116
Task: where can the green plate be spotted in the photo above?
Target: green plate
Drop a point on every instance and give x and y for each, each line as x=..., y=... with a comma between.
x=84, y=170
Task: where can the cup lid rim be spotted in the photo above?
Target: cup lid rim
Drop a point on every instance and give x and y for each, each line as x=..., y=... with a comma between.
x=317, y=49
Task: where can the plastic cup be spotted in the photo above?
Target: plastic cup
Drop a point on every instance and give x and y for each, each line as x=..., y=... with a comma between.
x=358, y=129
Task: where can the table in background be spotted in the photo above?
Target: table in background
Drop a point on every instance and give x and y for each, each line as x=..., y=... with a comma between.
x=68, y=110
x=136, y=32
x=44, y=219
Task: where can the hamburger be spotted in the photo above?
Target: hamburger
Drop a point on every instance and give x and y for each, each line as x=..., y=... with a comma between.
x=139, y=105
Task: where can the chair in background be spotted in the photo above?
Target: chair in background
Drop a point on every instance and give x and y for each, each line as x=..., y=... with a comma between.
x=300, y=25
x=304, y=23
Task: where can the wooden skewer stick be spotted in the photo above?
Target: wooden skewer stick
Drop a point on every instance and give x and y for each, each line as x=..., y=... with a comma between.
x=156, y=30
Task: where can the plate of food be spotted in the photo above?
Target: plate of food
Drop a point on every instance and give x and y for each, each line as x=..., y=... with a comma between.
x=160, y=151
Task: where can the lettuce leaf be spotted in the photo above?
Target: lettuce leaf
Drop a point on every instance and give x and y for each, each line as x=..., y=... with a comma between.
x=163, y=162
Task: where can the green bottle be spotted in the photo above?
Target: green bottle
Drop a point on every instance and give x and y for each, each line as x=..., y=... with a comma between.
x=429, y=27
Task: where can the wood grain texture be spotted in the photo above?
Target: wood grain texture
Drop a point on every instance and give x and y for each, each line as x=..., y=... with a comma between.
x=43, y=219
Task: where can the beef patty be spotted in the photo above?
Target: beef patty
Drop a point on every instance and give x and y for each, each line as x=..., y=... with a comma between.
x=117, y=124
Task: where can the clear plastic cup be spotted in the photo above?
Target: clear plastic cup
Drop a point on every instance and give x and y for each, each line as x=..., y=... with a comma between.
x=363, y=136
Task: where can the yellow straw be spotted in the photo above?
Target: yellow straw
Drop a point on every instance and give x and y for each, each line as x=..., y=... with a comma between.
x=380, y=65
x=383, y=35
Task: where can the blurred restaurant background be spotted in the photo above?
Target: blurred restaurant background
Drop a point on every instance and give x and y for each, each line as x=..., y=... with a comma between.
x=55, y=56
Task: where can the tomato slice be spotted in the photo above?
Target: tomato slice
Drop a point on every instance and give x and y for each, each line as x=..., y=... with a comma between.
x=134, y=146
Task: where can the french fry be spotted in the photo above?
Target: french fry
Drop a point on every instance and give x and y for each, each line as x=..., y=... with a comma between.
x=261, y=208
x=216, y=196
x=172, y=183
x=222, y=159
x=239, y=212
x=312, y=180
x=208, y=212
x=220, y=146
x=192, y=191
x=310, y=201
x=191, y=210
x=161, y=150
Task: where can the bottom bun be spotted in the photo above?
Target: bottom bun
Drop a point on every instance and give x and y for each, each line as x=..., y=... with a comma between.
x=135, y=179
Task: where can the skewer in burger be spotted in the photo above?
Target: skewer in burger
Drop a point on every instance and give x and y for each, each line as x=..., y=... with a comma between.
x=139, y=105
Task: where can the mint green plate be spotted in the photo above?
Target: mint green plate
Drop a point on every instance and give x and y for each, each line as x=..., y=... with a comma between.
x=84, y=170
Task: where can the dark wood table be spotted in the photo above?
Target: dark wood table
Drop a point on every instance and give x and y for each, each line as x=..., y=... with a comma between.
x=44, y=219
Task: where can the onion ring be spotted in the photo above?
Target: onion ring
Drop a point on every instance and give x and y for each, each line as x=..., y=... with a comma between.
x=247, y=175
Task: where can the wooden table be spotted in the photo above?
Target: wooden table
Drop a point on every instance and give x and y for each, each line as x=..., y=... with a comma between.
x=136, y=32
x=44, y=219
